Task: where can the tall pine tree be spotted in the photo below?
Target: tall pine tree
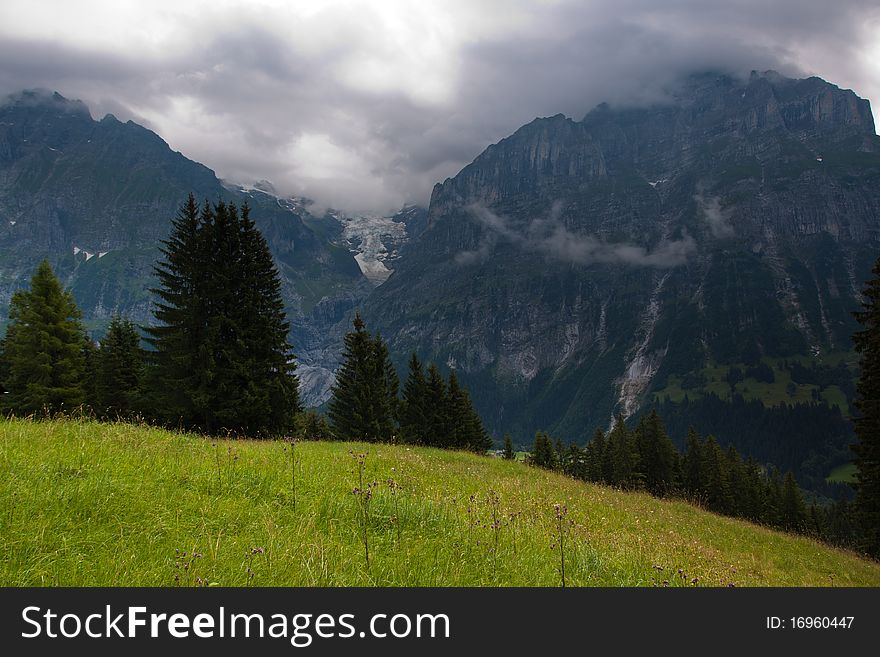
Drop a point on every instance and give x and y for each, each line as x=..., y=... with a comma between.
x=221, y=359
x=43, y=351
x=414, y=406
x=117, y=370
x=867, y=449
x=364, y=397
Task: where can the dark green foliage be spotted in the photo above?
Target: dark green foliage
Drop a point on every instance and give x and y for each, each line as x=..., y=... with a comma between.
x=118, y=366
x=364, y=401
x=867, y=449
x=657, y=456
x=693, y=470
x=508, y=453
x=221, y=360
x=436, y=420
x=623, y=457
x=793, y=510
x=543, y=453
x=414, y=406
x=714, y=478
x=44, y=348
x=595, y=457
x=803, y=437
x=311, y=425
x=464, y=429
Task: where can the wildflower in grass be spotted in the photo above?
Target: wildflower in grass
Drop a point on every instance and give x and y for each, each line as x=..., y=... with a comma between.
x=364, y=495
x=395, y=488
x=494, y=501
x=291, y=445
x=185, y=567
x=561, y=525
x=217, y=459
x=512, y=519
x=249, y=562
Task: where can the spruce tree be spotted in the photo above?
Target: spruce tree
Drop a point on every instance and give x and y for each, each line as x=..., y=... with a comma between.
x=464, y=428
x=658, y=457
x=44, y=348
x=867, y=423
x=350, y=412
x=181, y=313
x=385, y=392
x=221, y=360
x=543, y=453
x=793, y=509
x=508, y=453
x=364, y=397
x=717, y=477
x=694, y=478
x=311, y=425
x=436, y=418
x=414, y=406
x=624, y=456
x=595, y=457
x=118, y=365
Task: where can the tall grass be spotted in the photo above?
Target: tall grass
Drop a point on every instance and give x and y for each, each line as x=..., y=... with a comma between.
x=85, y=503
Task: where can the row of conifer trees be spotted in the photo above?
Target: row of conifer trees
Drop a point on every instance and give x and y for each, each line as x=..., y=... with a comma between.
x=645, y=458
x=366, y=405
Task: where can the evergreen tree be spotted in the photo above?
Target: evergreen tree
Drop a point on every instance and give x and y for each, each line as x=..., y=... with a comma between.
x=717, y=477
x=573, y=462
x=694, y=478
x=793, y=509
x=464, y=427
x=44, y=348
x=658, y=457
x=456, y=414
x=118, y=365
x=595, y=457
x=221, y=359
x=436, y=419
x=385, y=392
x=311, y=425
x=181, y=314
x=414, y=406
x=509, y=454
x=543, y=453
x=364, y=397
x=624, y=456
x=867, y=423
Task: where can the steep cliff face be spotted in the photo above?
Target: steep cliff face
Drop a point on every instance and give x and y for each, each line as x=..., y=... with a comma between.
x=576, y=267
x=96, y=198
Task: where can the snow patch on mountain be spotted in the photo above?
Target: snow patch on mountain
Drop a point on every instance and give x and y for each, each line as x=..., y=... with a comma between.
x=374, y=241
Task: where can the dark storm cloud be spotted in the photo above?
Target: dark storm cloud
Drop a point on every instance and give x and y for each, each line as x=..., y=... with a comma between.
x=366, y=105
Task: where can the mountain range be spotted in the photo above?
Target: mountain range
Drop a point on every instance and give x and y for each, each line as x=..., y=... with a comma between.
x=706, y=249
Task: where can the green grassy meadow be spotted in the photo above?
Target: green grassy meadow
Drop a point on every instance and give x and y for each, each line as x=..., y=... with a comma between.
x=88, y=504
x=843, y=474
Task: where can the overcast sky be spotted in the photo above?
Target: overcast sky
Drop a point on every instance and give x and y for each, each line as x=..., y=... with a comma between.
x=364, y=105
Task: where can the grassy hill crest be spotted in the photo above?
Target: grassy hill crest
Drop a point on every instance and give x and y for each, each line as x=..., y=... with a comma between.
x=89, y=503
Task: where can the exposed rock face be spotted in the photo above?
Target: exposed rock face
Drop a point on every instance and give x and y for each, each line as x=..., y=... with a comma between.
x=573, y=267
x=96, y=198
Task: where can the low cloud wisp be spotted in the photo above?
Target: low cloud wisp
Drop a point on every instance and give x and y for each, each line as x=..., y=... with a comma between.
x=550, y=238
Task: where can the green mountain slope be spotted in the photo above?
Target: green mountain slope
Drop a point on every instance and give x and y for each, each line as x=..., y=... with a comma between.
x=121, y=505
